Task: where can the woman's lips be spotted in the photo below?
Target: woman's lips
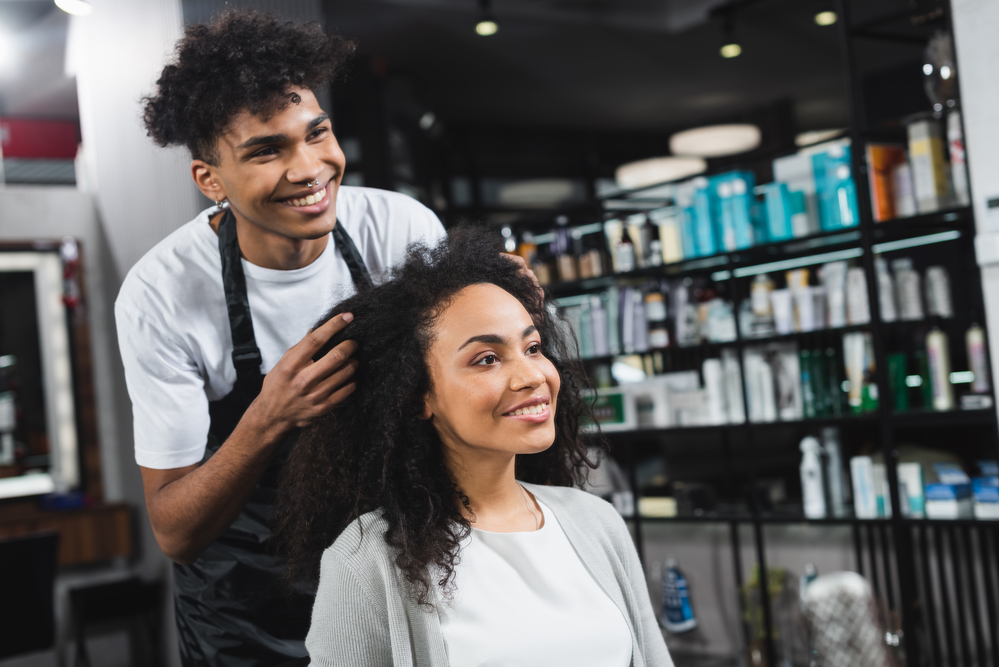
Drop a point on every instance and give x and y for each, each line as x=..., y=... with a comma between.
x=532, y=417
x=318, y=207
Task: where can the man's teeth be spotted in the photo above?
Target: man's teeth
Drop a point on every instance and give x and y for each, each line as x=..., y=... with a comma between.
x=531, y=410
x=310, y=200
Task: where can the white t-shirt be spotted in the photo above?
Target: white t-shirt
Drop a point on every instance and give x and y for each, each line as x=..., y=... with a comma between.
x=527, y=600
x=173, y=326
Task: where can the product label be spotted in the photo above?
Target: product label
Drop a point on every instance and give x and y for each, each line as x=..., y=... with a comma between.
x=609, y=409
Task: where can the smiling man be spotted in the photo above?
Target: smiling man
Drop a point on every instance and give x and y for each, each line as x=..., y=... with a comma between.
x=214, y=322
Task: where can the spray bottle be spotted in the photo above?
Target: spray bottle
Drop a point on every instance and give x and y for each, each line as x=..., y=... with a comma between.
x=677, y=616
x=812, y=488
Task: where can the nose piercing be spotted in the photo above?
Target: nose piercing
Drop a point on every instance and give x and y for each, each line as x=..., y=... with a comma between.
x=312, y=184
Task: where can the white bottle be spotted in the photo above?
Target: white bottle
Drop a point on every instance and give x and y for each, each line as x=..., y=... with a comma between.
x=886, y=291
x=834, y=468
x=907, y=286
x=598, y=317
x=714, y=388
x=938, y=354
x=812, y=489
x=975, y=340
x=858, y=308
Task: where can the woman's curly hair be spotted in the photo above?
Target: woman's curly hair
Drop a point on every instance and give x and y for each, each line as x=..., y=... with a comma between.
x=242, y=61
x=373, y=452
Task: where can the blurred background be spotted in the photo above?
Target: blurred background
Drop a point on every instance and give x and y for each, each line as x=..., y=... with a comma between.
x=773, y=224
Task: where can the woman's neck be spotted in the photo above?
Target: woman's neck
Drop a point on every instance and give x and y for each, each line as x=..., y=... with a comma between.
x=496, y=498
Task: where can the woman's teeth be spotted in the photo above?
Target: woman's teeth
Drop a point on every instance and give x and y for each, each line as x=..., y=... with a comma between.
x=310, y=200
x=531, y=410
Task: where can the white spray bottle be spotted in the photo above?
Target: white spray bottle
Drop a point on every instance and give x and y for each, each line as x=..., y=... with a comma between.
x=812, y=489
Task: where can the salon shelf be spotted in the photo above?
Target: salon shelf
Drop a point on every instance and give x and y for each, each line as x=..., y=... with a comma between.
x=957, y=417
x=969, y=522
x=705, y=349
x=799, y=335
x=769, y=519
x=867, y=417
x=960, y=218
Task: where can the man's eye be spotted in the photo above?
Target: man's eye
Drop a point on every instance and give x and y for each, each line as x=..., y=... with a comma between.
x=318, y=131
x=264, y=152
x=487, y=360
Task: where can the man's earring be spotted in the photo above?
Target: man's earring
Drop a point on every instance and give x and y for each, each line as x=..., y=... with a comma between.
x=220, y=204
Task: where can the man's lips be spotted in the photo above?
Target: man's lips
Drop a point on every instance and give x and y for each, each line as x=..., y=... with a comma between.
x=318, y=206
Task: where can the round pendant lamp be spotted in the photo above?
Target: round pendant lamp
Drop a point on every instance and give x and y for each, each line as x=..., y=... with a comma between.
x=716, y=140
x=657, y=170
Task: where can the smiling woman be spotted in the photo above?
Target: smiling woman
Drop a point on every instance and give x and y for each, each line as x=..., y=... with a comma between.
x=444, y=484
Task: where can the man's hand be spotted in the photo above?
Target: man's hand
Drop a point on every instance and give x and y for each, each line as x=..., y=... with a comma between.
x=190, y=507
x=298, y=390
x=525, y=270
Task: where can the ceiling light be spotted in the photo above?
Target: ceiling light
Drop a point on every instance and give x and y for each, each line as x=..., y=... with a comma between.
x=486, y=28
x=732, y=50
x=730, y=47
x=716, y=140
x=825, y=18
x=927, y=69
x=655, y=170
x=487, y=23
x=427, y=121
x=815, y=137
x=75, y=7
x=536, y=193
x=945, y=72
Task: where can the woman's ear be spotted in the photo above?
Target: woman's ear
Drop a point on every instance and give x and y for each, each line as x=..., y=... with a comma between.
x=427, y=412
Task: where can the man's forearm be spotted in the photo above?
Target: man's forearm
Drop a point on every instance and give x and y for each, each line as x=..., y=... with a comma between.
x=189, y=512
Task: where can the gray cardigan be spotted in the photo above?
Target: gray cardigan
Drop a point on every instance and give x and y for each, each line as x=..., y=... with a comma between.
x=363, y=618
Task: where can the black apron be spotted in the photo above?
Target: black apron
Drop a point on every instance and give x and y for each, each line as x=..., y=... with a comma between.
x=234, y=607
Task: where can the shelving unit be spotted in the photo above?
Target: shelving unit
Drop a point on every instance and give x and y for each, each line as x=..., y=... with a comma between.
x=936, y=579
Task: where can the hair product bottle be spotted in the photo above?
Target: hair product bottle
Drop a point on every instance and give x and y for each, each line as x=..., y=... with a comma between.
x=677, y=616
x=939, y=357
x=977, y=361
x=812, y=489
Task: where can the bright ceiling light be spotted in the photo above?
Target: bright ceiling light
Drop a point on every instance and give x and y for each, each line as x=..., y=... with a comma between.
x=733, y=50
x=716, y=140
x=825, y=18
x=813, y=137
x=730, y=47
x=945, y=72
x=658, y=170
x=486, y=28
x=536, y=193
x=74, y=7
x=927, y=69
x=487, y=23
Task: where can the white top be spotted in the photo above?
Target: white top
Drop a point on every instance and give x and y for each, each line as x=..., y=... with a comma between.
x=527, y=600
x=173, y=326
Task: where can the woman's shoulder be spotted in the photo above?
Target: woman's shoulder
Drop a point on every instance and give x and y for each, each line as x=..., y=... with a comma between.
x=361, y=548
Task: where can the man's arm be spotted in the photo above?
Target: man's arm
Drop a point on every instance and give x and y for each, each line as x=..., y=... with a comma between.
x=189, y=507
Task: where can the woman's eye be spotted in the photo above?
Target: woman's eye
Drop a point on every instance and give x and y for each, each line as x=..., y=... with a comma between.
x=534, y=349
x=487, y=360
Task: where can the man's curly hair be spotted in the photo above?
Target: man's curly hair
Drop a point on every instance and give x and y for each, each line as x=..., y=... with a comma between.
x=241, y=61
x=373, y=452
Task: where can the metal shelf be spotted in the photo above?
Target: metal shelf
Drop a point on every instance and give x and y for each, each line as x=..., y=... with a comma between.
x=951, y=224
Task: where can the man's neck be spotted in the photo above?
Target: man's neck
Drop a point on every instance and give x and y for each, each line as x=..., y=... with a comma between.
x=268, y=250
